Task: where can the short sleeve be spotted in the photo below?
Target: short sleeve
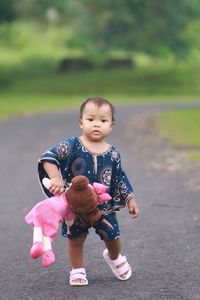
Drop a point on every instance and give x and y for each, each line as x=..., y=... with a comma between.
x=58, y=154
x=123, y=189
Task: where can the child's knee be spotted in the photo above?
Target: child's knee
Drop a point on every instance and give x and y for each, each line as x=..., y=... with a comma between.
x=77, y=242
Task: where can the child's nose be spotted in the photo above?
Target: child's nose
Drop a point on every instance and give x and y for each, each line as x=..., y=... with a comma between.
x=97, y=123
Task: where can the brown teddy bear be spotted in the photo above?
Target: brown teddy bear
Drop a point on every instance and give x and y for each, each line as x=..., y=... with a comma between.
x=45, y=216
x=83, y=198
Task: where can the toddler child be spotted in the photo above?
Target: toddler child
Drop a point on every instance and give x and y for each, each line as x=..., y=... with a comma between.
x=90, y=155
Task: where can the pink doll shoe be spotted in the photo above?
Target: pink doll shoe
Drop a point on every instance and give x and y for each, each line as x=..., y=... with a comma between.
x=36, y=250
x=48, y=259
x=118, y=272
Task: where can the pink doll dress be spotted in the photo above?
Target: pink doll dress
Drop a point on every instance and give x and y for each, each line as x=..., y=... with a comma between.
x=49, y=213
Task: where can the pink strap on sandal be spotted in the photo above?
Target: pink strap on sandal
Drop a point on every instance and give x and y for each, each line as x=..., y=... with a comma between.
x=78, y=277
x=125, y=269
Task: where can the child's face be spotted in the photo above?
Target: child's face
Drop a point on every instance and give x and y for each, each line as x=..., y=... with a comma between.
x=96, y=122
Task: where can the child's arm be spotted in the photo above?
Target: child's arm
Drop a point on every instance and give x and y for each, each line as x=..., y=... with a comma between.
x=56, y=182
x=132, y=207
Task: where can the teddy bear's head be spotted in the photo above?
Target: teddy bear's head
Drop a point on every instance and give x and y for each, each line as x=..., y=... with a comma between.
x=82, y=198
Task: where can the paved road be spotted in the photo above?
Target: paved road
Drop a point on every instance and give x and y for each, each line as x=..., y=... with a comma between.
x=162, y=244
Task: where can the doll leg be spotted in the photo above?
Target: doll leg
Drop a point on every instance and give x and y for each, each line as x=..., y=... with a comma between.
x=37, y=248
x=48, y=257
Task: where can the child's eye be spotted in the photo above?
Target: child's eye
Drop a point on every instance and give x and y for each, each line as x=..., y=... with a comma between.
x=90, y=119
x=103, y=121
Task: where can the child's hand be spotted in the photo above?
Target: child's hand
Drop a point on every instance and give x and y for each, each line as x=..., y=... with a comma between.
x=56, y=185
x=132, y=207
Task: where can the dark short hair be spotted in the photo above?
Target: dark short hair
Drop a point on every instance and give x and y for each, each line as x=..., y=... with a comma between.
x=99, y=101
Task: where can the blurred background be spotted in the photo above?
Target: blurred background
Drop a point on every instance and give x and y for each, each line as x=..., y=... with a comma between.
x=72, y=48
x=53, y=54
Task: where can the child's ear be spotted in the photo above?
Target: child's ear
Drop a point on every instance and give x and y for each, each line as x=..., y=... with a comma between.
x=111, y=126
x=80, y=123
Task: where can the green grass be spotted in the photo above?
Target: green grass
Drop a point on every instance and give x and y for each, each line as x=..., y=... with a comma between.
x=39, y=91
x=181, y=128
x=26, y=104
x=195, y=156
x=142, y=82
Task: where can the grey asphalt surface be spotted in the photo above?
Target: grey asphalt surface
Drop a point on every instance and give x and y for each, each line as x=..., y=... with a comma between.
x=162, y=245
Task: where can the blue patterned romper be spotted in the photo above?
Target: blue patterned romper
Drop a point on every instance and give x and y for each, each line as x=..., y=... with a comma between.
x=73, y=159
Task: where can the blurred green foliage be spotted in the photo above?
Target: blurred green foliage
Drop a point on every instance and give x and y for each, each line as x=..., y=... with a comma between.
x=30, y=48
x=7, y=11
x=155, y=27
x=30, y=54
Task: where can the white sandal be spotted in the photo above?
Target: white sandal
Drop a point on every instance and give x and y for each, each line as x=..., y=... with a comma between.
x=118, y=272
x=78, y=274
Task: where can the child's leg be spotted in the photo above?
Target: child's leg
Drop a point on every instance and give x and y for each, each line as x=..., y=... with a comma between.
x=111, y=237
x=114, y=248
x=37, y=248
x=120, y=263
x=75, y=252
x=48, y=258
x=75, y=245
